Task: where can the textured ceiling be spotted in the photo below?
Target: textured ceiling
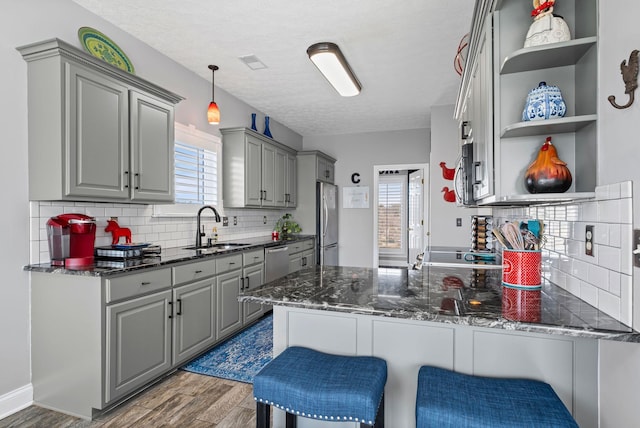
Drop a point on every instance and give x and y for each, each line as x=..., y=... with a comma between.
x=401, y=51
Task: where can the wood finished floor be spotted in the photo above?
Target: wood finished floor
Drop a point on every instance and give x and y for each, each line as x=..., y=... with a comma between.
x=183, y=399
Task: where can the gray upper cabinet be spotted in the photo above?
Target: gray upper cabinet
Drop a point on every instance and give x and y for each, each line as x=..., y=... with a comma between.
x=325, y=169
x=257, y=171
x=498, y=34
x=96, y=133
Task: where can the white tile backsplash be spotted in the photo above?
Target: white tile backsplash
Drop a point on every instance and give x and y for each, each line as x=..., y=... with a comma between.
x=164, y=231
x=603, y=280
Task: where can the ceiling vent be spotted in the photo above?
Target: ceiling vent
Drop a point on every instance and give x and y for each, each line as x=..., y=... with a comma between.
x=253, y=62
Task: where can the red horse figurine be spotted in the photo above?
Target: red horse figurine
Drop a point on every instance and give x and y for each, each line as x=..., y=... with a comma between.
x=117, y=232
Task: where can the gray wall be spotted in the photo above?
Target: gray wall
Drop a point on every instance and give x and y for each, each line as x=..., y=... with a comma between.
x=359, y=153
x=619, y=160
x=445, y=147
x=25, y=22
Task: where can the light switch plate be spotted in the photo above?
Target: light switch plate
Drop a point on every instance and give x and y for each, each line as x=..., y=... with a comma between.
x=235, y=220
x=264, y=220
x=636, y=247
x=458, y=222
x=588, y=240
x=225, y=221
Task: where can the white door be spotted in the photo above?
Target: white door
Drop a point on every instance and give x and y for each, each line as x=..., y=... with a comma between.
x=416, y=214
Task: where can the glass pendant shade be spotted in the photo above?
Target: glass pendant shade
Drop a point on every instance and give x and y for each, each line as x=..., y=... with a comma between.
x=213, y=113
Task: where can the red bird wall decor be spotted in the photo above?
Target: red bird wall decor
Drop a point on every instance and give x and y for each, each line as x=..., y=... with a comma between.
x=447, y=173
x=449, y=195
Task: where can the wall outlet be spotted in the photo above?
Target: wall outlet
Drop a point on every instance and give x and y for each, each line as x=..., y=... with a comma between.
x=588, y=240
x=225, y=221
x=235, y=220
x=458, y=222
x=264, y=220
x=636, y=248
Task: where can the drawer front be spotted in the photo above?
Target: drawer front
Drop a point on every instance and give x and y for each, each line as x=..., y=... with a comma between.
x=295, y=247
x=193, y=271
x=227, y=263
x=136, y=284
x=308, y=244
x=252, y=257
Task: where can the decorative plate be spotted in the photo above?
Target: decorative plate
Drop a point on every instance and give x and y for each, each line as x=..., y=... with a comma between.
x=100, y=46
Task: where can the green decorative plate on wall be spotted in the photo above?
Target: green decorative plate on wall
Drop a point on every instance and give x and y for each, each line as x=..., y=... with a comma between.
x=100, y=46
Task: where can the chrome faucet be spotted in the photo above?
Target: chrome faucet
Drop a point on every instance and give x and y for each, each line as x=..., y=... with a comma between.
x=200, y=233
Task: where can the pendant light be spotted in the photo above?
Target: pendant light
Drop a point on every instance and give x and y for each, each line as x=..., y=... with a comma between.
x=335, y=68
x=213, y=113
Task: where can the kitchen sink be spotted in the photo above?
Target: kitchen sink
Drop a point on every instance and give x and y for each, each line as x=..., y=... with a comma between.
x=217, y=246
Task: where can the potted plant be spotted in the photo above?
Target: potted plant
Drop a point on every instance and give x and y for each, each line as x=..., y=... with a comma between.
x=285, y=226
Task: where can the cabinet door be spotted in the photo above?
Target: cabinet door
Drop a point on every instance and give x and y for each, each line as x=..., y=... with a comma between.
x=253, y=277
x=194, y=323
x=280, y=176
x=295, y=262
x=151, y=145
x=229, y=309
x=321, y=169
x=138, y=342
x=268, y=175
x=291, y=179
x=96, y=135
x=482, y=95
x=308, y=258
x=253, y=172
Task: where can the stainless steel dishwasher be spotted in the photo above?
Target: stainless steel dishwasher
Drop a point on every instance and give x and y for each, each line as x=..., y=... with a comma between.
x=276, y=260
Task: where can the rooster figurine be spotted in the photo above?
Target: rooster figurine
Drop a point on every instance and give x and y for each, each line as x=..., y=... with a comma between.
x=449, y=195
x=447, y=173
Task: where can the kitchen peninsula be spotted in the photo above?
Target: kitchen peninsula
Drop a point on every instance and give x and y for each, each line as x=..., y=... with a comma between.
x=447, y=317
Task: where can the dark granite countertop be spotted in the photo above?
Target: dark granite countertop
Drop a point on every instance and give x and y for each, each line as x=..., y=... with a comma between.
x=452, y=295
x=167, y=256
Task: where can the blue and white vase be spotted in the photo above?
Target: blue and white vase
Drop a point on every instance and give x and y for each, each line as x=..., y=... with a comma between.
x=544, y=102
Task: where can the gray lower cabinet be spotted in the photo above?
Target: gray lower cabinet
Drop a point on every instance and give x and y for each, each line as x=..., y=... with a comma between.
x=301, y=255
x=252, y=277
x=126, y=331
x=138, y=342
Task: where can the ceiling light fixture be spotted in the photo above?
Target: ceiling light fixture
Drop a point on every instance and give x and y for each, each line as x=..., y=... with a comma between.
x=335, y=68
x=213, y=113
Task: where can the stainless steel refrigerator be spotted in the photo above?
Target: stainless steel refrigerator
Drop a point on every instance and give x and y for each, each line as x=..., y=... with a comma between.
x=327, y=224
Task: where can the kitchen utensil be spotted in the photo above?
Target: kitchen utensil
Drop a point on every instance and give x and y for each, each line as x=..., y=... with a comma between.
x=512, y=234
x=501, y=239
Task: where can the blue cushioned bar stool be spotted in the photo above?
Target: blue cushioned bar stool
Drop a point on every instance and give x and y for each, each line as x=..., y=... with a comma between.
x=450, y=399
x=316, y=385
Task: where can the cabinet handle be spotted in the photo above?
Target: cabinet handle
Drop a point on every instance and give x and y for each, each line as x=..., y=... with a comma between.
x=232, y=263
x=126, y=179
x=265, y=195
x=476, y=167
x=248, y=283
x=179, y=308
x=198, y=271
x=241, y=283
x=304, y=261
x=326, y=174
x=170, y=309
x=136, y=180
x=463, y=130
x=145, y=283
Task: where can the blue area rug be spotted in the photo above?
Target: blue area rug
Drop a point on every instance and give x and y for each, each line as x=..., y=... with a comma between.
x=241, y=357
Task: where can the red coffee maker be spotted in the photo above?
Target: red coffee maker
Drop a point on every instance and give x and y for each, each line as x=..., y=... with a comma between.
x=71, y=240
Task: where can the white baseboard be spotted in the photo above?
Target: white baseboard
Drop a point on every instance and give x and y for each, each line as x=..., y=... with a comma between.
x=16, y=400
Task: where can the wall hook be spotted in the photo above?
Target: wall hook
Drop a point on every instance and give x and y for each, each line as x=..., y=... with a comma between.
x=630, y=77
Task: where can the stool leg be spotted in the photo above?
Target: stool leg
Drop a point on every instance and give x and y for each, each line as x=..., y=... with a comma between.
x=379, y=422
x=292, y=421
x=263, y=415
